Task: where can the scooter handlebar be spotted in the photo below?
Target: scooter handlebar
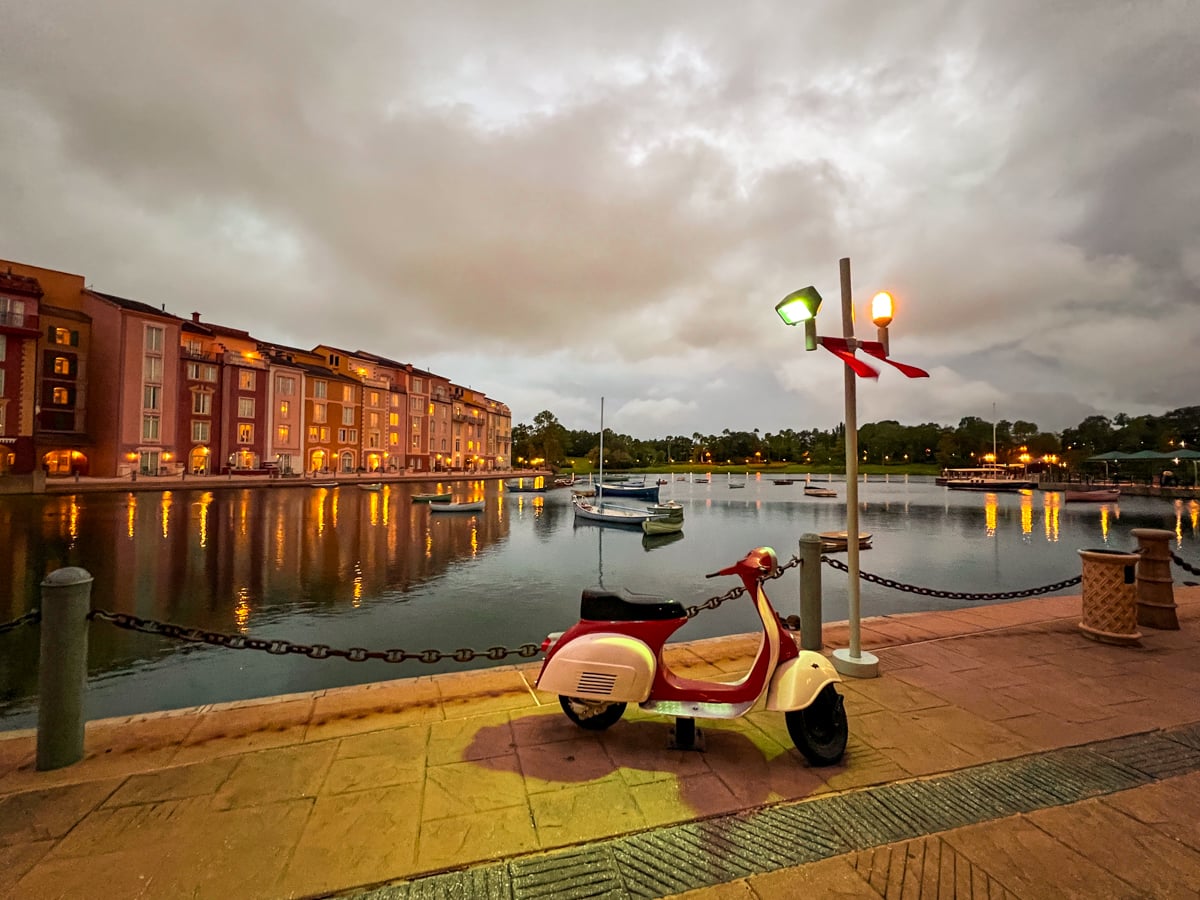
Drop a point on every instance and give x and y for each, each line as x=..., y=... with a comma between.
x=762, y=559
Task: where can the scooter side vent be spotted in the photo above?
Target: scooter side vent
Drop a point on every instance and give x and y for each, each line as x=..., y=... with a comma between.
x=596, y=683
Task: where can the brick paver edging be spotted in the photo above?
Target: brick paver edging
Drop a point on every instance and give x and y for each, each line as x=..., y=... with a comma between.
x=678, y=858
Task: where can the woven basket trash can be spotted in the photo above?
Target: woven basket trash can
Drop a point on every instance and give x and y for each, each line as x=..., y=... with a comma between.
x=1109, y=598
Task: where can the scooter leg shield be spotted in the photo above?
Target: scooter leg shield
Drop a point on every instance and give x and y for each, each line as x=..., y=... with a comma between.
x=602, y=666
x=797, y=682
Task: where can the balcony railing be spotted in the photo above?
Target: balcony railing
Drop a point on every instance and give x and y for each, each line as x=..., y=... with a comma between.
x=191, y=353
x=19, y=320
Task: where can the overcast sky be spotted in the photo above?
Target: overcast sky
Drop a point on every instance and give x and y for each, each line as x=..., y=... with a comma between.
x=557, y=201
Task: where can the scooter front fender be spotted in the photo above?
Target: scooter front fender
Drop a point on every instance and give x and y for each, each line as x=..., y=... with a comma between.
x=600, y=666
x=797, y=682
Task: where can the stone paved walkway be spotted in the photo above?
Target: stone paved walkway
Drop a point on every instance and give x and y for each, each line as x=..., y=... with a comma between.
x=353, y=788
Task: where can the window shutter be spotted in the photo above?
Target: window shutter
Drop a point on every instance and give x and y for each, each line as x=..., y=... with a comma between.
x=74, y=338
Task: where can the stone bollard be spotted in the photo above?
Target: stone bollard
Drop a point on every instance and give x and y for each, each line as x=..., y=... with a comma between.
x=62, y=667
x=1155, y=586
x=1109, y=598
x=810, y=592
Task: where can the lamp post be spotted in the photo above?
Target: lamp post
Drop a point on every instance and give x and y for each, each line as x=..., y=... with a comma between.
x=801, y=307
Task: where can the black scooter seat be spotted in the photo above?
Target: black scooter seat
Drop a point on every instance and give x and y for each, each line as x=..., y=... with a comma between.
x=603, y=605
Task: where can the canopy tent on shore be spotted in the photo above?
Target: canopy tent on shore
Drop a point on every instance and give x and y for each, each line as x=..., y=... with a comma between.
x=1148, y=456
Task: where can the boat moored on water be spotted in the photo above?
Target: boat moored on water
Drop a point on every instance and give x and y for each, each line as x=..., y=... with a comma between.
x=472, y=506
x=435, y=497
x=1108, y=495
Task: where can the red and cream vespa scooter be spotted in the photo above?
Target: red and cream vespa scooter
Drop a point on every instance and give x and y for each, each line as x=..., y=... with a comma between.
x=613, y=656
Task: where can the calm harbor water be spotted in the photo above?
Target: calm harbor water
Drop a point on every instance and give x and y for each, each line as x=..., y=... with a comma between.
x=354, y=568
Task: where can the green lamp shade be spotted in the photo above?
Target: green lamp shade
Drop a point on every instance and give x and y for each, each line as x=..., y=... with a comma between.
x=799, y=306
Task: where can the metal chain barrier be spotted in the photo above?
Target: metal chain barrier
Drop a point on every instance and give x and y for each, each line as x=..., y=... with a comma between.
x=714, y=602
x=955, y=595
x=280, y=647
x=30, y=618
x=1183, y=564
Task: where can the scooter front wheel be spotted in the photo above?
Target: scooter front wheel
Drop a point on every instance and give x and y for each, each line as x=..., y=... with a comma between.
x=594, y=715
x=820, y=730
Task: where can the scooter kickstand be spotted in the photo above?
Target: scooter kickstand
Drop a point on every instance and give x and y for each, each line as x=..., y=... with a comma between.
x=685, y=735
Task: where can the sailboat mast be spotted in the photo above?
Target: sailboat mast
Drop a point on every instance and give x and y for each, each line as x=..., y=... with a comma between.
x=600, y=483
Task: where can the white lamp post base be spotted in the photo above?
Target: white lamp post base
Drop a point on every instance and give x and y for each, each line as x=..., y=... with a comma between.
x=866, y=665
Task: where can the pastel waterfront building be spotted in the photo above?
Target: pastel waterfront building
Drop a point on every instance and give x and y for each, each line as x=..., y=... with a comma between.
x=469, y=422
x=379, y=446
x=223, y=399
x=134, y=385
x=285, y=426
x=20, y=297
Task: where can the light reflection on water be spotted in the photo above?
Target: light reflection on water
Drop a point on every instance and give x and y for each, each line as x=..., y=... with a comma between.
x=349, y=567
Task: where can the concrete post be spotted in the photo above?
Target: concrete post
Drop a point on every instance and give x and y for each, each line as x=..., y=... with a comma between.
x=1155, y=586
x=810, y=592
x=62, y=667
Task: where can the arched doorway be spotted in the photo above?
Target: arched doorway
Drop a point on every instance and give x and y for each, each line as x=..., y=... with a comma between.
x=347, y=461
x=319, y=460
x=64, y=462
x=198, y=461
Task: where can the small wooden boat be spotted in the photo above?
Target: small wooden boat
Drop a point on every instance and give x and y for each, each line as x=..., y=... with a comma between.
x=1099, y=496
x=814, y=491
x=836, y=540
x=472, y=506
x=372, y=486
x=702, y=480
x=784, y=480
x=325, y=484
x=607, y=514
x=661, y=481
x=433, y=498
x=672, y=509
x=737, y=484
x=662, y=526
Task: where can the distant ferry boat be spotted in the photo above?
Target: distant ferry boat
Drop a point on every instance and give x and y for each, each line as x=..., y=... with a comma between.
x=989, y=478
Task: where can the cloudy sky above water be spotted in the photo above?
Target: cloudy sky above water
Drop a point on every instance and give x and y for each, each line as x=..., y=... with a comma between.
x=557, y=201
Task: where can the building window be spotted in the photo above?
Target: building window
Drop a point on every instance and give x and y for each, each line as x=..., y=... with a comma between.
x=12, y=312
x=415, y=404
x=245, y=433
x=246, y=407
x=348, y=393
x=246, y=379
x=347, y=435
x=394, y=419
x=152, y=368
x=321, y=389
x=347, y=415
x=150, y=425
x=374, y=418
x=374, y=398
x=151, y=396
x=62, y=365
x=334, y=360
x=394, y=438
x=59, y=396
x=200, y=431
x=3, y=348
x=395, y=401
x=283, y=407
x=314, y=433
x=325, y=434
x=201, y=372
x=418, y=385
x=319, y=412
x=202, y=403
x=154, y=338
x=194, y=346
x=285, y=432
x=285, y=385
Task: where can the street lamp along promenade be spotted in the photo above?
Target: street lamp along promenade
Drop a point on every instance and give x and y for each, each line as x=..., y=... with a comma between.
x=800, y=307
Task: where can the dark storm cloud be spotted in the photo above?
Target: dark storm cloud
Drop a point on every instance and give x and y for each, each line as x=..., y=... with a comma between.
x=557, y=201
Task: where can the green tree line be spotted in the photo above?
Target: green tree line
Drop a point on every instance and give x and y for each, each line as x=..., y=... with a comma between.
x=546, y=441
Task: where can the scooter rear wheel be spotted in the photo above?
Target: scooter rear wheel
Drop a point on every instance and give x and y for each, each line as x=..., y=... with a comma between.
x=594, y=715
x=820, y=730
